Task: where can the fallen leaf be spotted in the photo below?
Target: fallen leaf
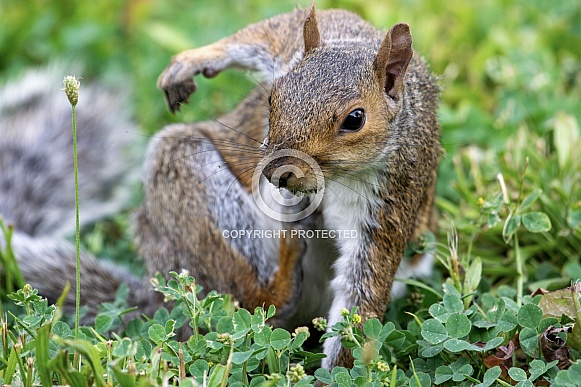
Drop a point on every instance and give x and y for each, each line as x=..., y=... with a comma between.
x=560, y=302
x=553, y=347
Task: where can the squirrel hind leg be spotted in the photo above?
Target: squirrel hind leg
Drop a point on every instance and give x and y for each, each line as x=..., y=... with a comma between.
x=195, y=213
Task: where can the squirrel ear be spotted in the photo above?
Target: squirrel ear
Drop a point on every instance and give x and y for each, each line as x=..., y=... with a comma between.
x=393, y=58
x=311, y=31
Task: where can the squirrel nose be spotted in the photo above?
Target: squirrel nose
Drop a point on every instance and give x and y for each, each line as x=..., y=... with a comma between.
x=283, y=179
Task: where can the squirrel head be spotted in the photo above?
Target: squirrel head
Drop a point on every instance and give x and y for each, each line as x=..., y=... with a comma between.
x=338, y=105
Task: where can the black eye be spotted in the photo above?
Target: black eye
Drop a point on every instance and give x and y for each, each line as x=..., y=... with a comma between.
x=354, y=120
x=269, y=100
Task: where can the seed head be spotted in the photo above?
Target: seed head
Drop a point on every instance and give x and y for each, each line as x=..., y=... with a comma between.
x=382, y=366
x=71, y=89
x=296, y=373
x=320, y=323
x=301, y=329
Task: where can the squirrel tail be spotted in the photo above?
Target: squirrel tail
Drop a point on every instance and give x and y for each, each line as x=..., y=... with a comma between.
x=37, y=179
x=47, y=264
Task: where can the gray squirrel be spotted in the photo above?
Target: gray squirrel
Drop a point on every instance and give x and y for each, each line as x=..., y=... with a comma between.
x=304, y=196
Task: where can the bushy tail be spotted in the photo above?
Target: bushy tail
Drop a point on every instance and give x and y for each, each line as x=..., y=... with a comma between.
x=37, y=180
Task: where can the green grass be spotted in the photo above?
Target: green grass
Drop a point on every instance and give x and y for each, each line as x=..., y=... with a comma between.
x=511, y=78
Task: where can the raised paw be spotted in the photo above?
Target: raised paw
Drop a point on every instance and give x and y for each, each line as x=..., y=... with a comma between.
x=177, y=82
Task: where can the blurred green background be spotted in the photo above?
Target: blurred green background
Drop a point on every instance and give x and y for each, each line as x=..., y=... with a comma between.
x=484, y=51
x=510, y=73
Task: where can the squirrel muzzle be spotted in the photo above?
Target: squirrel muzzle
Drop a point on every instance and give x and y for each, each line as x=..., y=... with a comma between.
x=296, y=172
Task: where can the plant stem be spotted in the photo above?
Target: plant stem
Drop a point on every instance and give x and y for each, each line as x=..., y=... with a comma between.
x=519, y=271
x=77, y=226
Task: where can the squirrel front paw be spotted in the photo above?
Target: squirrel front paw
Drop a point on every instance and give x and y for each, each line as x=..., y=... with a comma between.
x=177, y=82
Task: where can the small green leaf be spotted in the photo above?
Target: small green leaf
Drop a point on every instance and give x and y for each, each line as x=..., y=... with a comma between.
x=508, y=321
x=497, y=310
x=490, y=377
x=461, y=373
x=156, y=333
x=299, y=340
x=144, y=349
x=434, y=331
x=242, y=319
x=124, y=348
x=536, y=222
x=530, y=199
x=529, y=341
x=169, y=327
x=386, y=330
x=372, y=328
x=394, y=339
x=491, y=344
x=473, y=276
x=225, y=325
x=241, y=357
x=280, y=339
x=103, y=322
x=453, y=303
x=32, y=321
x=343, y=378
x=323, y=375
x=537, y=368
x=510, y=226
x=458, y=325
x=217, y=375
x=62, y=330
x=517, y=374
x=420, y=379
x=492, y=374
x=456, y=346
x=529, y=315
x=262, y=338
x=258, y=381
x=439, y=312
x=443, y=374
x=271, y=311
x=317, y=357
x=569, y=377
x=198, y=369
x=337, y=370
x=429, y=350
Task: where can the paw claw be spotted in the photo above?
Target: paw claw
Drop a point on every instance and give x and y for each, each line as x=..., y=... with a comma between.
x=177, y=80
x=177, y=85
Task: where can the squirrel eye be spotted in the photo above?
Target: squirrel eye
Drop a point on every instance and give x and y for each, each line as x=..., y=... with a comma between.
x=354, y=120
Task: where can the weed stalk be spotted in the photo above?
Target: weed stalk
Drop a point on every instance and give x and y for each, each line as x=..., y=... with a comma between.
x=71, y=89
